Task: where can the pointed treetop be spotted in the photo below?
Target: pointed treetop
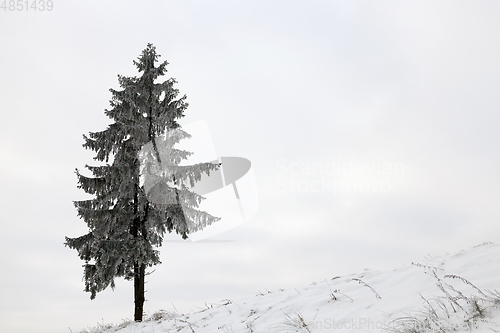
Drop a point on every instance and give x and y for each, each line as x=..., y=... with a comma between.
x=147, y=60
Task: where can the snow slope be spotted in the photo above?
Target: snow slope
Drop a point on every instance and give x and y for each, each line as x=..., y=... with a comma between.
x=459, y=292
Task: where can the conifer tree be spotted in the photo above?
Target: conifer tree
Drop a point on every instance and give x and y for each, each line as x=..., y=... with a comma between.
x=140, y=190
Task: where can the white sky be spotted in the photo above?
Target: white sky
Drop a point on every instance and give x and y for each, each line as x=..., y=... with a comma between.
x=402, y=96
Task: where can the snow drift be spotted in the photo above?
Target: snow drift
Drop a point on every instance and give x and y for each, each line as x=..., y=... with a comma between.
x=458, y=292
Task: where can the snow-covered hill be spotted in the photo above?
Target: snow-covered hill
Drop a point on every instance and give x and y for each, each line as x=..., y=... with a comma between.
x=459, y=292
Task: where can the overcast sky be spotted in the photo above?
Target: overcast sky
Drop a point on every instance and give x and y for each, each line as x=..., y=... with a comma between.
x=372, y=128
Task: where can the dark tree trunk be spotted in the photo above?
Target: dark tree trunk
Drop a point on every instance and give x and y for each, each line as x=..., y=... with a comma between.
x=139, y=274
x=139, y=268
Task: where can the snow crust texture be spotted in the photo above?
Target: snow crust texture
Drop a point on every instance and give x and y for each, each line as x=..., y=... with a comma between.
x=459, y=293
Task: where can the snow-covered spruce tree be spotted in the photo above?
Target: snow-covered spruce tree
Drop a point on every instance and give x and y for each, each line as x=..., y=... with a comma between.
x=140, y=189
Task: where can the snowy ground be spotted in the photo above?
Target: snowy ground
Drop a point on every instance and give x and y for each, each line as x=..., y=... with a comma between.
x=459, y=292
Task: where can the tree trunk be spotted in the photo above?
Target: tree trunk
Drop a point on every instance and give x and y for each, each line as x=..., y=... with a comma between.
x=139, y=274
x=139, y=268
